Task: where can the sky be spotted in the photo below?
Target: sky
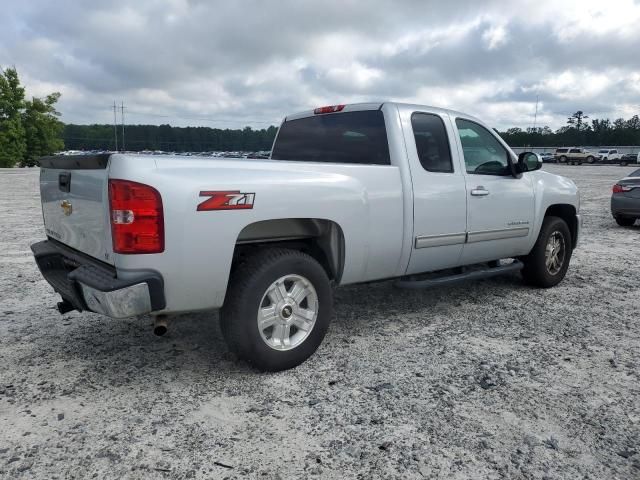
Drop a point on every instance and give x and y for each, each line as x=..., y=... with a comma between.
x=231, y=64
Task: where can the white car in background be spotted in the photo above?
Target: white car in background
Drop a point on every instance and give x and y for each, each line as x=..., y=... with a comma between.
x=610, y=156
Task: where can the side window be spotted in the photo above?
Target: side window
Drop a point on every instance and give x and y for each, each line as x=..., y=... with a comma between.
x=574, y=150
x=432, y=143
x=613, y=151
x=483, y=153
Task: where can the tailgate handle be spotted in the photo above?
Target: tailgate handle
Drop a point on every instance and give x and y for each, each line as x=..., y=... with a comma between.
x=64, y=181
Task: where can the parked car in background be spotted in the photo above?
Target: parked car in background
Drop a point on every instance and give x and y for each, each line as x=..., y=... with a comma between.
x=625, y=200
x=628, y=158
x=547, y=157
x=575, y=155
x=609, y=156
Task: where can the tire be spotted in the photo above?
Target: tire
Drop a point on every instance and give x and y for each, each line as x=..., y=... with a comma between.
x=563, y=159
x=537, y=271
x=625, y=221
x=623, y=163
x=590, y=159
x=248, y=295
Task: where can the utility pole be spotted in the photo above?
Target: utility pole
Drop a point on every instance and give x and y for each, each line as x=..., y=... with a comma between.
x=535, y=117
x=115, y=126
x=122, y=107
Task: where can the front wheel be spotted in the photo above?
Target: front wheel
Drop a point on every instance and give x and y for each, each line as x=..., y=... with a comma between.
x=563, y=159
x=278, y=309
x=547, y=263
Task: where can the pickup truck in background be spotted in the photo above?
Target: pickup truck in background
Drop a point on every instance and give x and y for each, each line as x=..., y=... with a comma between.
x=350, y=194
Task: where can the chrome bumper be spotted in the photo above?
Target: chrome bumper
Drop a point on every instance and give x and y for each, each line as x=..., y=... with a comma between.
x=91, y=285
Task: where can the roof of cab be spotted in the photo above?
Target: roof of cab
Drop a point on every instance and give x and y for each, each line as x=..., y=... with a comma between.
x=354, y=107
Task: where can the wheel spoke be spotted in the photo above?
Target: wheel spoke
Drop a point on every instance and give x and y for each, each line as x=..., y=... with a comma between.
x=282, y=290
x=307, y=314
x=285, y=339
x=299, y=291
x=301, y=323
x=268, y=317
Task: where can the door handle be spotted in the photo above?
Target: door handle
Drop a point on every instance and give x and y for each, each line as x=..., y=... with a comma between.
x=479, y=192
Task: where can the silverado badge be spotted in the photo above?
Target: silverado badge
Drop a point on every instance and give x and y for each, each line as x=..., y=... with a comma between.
x=67, y=208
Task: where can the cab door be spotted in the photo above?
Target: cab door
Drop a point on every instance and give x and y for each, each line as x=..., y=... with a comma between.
x=439, y=195
x=500, y=207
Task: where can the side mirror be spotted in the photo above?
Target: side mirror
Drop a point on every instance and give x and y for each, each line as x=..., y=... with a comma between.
x=528, y=162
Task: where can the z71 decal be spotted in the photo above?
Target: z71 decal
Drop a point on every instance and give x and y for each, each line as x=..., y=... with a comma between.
x=227, y=200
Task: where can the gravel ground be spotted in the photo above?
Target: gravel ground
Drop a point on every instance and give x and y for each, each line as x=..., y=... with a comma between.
x=483, y=380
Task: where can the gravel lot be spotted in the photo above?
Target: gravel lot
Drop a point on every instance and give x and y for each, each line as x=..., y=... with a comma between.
x=483, y=380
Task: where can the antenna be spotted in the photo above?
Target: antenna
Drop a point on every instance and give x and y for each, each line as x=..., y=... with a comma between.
x=115, y=126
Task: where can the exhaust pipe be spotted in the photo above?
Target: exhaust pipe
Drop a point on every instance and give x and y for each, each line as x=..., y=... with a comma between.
x=64, y=306
x=160, y=325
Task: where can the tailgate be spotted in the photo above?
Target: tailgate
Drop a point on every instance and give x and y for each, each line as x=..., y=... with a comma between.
x=75, y=203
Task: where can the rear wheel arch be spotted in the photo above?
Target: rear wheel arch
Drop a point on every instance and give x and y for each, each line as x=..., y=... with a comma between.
x=322, y=239
x=567, y=212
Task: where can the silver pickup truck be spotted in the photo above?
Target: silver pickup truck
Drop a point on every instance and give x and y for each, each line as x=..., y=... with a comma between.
x=351, y=193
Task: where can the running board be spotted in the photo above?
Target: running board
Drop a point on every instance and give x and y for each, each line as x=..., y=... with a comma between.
x=451, y=279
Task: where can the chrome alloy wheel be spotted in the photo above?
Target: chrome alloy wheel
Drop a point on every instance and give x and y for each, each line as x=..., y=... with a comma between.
x=554, y=254
x=287, y=313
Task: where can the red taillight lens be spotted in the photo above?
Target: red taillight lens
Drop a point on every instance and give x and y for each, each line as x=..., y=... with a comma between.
x=329, y=109
x=137, y=223
x=619, y=188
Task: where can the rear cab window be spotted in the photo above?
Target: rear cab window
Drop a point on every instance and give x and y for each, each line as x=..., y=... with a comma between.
x=349, y=137
x=432, y=143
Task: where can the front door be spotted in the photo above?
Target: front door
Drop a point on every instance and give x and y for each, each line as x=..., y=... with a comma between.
x=439, y=207
x=500, y=207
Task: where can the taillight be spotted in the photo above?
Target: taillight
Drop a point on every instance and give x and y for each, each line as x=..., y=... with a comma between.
x=137, y=223
x=620, y=188
x=329, y=109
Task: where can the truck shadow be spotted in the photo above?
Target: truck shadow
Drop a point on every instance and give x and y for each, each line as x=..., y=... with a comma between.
x=119, y=352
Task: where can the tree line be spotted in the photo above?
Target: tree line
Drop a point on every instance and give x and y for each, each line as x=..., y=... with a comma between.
x=29, y=129
x=167, y=138
x=578, y=132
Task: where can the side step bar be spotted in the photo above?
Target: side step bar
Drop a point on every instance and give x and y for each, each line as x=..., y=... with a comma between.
x=451, y=279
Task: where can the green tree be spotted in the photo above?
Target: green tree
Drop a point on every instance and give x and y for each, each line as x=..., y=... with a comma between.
x=12, y=134
x=42, y=128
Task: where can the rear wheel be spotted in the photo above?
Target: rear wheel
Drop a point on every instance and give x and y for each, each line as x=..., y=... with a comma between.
x=625, y=221
x=547, y=263
x=590, y=159
x=623, y=163
x=278, y=309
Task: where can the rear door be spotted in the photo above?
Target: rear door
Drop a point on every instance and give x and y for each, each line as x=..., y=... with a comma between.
x=500, y=207
x=439, y=195
x=75, y=203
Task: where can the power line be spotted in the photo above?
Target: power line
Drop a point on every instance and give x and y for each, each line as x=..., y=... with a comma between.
x=115, y=126
x=122, y=107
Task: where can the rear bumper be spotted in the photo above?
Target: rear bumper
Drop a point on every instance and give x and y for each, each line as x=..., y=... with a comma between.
x=91, y=285
x=625, y=206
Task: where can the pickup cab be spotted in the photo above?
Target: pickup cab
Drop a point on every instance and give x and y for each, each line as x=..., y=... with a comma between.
x=350, y=194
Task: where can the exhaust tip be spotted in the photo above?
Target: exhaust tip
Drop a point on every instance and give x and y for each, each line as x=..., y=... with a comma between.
x=160, y=330
x=160, y=325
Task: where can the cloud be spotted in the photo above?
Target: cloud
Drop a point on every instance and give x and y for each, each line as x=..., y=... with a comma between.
x=245, y=62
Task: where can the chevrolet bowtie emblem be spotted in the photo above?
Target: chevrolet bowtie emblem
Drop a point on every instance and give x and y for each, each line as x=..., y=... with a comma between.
x=67, y=208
